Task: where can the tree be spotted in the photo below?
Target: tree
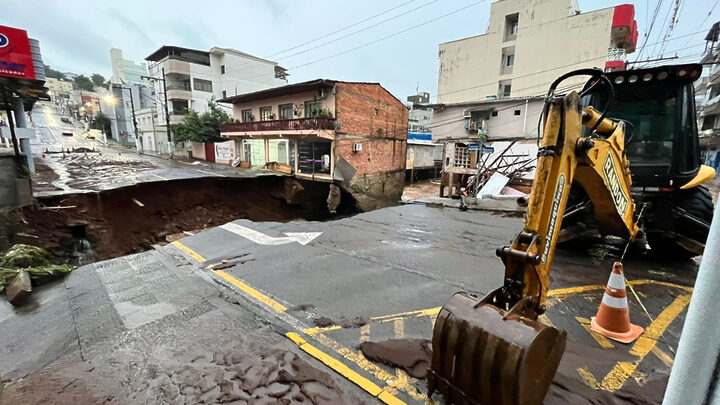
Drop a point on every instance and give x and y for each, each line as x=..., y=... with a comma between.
x=84, y=83
x=97, y=79
x=54, y=74
x=203, y=127
x=101, y=122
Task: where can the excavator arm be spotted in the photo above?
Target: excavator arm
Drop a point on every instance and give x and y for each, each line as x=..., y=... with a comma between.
x=493, y=350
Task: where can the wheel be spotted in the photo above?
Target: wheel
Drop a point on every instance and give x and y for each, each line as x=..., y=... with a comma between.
x=696, y=202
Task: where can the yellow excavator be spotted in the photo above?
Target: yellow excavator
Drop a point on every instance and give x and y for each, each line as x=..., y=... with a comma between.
x=493, y=350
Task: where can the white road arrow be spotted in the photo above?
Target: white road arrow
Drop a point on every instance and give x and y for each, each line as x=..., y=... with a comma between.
x=302, y=238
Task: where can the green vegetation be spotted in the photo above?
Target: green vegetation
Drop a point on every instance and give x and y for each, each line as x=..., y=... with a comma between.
x=203, y=127
x=98, y=80
x=84, y=83
x=101, y=122
x=52, y=73
x=34, y=260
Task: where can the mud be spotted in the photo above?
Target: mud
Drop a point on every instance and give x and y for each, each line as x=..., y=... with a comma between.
x=411, y=355
x=415, y=355
x=353, y=323
x=322, y=322
x=131, y=219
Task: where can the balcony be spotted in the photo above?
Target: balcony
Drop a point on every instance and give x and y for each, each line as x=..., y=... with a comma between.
x=300, y=124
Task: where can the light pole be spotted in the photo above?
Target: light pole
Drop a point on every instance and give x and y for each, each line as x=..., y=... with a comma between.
x=167, y=113
x=132, y=107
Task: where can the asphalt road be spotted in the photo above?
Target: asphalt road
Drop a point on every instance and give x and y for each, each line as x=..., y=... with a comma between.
x=396, y=266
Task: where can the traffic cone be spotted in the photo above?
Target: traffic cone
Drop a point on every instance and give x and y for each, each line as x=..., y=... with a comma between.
x=613, y=316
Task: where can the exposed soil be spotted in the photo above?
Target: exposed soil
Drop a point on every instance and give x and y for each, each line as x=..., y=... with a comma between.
x=43, y=177
x=131, y=219
x=421, y=190
x=415, y=355
x=411, y=355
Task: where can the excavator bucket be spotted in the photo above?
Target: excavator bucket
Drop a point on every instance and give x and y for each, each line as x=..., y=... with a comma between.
x=483, y=354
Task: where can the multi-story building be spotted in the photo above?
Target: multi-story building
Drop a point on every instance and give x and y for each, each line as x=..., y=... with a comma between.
x=59, y=92
x=348, y=133
x=195, y=77
x=125, y=71
x=423, y=155
x=528, y=44
x=707, y=100
x=123, y=101
x=491, y=86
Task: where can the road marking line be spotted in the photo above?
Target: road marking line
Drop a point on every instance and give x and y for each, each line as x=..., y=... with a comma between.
x=362, y=382
x=399, y=326
x=664, y=357
x=189, y=251
x=260, y=238
x=615, y=379
x=252, y=292
x=600, y=339
x=543, y=318
x=587, y=288
x=588, y=377
x=214, y=174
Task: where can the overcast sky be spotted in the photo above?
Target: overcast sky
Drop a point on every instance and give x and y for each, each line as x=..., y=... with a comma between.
x=77, y=36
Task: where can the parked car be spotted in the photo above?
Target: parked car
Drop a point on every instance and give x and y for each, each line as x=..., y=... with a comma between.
x=67, y=132
x=65, y=120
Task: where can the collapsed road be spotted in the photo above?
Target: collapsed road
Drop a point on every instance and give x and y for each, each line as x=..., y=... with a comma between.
x=138, y=320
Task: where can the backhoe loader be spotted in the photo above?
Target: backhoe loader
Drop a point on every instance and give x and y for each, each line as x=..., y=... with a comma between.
x=493, y=350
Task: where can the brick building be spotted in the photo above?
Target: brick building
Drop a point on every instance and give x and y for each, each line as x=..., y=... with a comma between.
x=348, y=133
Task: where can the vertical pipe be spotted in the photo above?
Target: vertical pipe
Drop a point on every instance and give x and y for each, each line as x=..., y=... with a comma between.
x=167, y=115
x=693, y=374
x=11, y=125
x=525, y=119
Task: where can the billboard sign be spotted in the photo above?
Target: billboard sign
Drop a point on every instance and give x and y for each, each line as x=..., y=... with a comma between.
x=15, y=56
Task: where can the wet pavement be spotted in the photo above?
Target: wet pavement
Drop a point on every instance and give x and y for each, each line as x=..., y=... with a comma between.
x=97, y=166
x=395, y=267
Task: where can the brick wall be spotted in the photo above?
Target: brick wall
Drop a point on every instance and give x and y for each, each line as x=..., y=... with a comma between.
x=370, y=115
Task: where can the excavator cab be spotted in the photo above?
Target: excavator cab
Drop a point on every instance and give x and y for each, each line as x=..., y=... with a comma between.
x=658, y=106
x=493, y=350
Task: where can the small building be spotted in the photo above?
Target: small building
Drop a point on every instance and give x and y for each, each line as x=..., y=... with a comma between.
x=707, y=100
x=348, y=133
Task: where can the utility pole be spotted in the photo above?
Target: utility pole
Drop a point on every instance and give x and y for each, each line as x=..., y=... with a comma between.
x=167, y=113
x=132, y=108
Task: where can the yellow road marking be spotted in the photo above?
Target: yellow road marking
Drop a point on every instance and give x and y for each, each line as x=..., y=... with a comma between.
x=252, y=292
x=602, y=340
x=615, y=379
x=545, y=320
x=362, y=382
x=588, y=377
x=403, y=315
x=399, y=326
x=585, y=288
x=664, y=357
x=189, y=251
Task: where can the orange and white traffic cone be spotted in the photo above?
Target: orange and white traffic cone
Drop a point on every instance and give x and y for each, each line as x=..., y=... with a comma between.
x=613, y=316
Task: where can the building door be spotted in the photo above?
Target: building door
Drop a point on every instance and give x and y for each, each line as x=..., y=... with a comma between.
x=254, y=151
x=314, y=157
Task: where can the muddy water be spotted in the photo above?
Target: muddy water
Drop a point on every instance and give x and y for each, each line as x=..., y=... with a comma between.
x=131, y=219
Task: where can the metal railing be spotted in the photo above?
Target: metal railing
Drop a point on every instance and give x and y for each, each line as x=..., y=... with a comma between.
x=281, y=125
x=615, y=54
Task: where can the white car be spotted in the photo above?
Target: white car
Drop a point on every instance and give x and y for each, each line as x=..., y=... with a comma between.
x=67, y=132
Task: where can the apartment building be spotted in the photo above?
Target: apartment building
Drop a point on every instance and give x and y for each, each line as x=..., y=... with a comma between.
x=528, y=44
x=348, y=133
x=491, y=86
x=423, y=155
x=125, y=71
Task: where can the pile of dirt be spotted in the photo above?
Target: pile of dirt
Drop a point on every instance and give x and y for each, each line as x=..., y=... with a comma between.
x=131, y=219
x=411, y=355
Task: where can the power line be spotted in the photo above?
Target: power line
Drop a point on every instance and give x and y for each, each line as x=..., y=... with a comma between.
x=652, y=24
x=703, y=22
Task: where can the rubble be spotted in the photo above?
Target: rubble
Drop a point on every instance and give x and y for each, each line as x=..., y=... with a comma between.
x=23, y=263
x=19, y=288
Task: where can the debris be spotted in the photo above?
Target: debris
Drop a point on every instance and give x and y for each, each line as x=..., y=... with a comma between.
x=411, y=355
x=322, y=322
x=19, y=288
x=493, y=186
x=355, y=323
x=31, y=259
x=137, y=202
x=56, y=208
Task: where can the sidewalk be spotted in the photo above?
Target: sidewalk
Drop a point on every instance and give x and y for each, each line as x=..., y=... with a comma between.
x=147, y=329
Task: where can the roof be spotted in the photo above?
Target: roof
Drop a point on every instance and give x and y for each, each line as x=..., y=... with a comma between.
x=162, y=51
x=280, y=91
x=221, y=50
x=482, y=102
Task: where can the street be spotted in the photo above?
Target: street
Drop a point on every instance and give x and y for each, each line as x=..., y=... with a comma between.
x=91, y=165
x=383, y=275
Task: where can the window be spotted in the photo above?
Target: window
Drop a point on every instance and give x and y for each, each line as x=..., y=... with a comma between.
x=313, y=108
x=511, y=26
x=247, y=116
x=222, y=69
x=202, y=85
x=506, y=90
x=708, y=122
x=265, y=113
x=514, y=28
x=509, y=60
x=517, y=112
x=286, y=111
x=224, y=94
x=494, y=114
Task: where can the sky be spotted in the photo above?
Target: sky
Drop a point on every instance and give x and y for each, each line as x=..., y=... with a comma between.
x=401, y=53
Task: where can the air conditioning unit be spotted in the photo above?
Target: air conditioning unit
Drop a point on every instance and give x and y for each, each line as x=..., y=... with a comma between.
x=467, y=113
x=357, y=147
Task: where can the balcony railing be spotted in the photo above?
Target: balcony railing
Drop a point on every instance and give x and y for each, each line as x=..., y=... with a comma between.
x=281, y=125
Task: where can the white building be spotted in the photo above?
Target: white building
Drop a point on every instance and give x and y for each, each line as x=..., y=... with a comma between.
x=491, y=86
x=194, y=77
x=125, y=71
x=420, y=116
x=528, y=44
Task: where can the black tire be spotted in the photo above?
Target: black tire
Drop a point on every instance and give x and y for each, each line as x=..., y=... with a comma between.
x=697, y=202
